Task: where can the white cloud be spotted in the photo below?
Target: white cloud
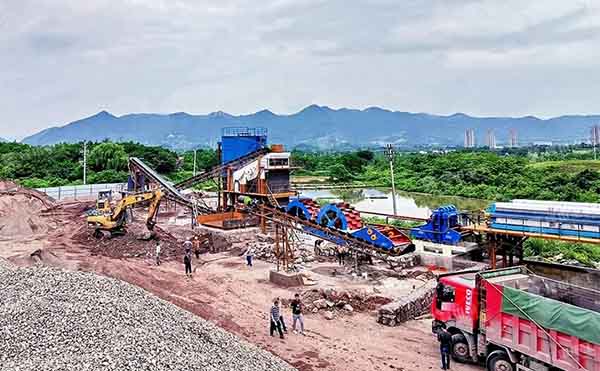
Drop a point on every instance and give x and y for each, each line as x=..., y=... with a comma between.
x=63, y=59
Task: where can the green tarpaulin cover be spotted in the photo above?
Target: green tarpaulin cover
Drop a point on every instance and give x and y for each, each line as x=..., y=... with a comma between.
x=553, y=314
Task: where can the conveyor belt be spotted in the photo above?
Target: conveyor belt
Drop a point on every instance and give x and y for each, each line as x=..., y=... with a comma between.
x=216, y=171
x=170, y=192
x=333, y=235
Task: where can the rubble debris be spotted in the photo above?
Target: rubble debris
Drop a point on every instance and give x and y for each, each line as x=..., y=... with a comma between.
x=409, y=307
x=349, y=301
x=130, y=245
x=82, y=321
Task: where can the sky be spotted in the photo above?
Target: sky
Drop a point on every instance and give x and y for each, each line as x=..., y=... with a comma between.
x=62, y=60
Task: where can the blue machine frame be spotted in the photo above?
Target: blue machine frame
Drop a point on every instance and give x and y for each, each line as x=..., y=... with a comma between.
x=440, y=227
x=332, y=217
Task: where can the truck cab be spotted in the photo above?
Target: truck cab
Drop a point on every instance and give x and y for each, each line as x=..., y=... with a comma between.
x=455, y=307
x=515, y=320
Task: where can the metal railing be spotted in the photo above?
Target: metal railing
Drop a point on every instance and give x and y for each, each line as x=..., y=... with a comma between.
x=81, y=191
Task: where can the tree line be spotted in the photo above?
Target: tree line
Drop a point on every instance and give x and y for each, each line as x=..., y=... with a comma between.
x=62, y=164
x=563, y=175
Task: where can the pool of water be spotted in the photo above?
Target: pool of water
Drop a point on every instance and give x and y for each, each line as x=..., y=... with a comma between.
x=407, y=203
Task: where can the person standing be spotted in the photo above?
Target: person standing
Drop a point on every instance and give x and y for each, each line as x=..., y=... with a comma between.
x=445, y=340
x=275, y=323
x=297, y=308
x=157, y=252
x=340, y=254
x=283, y=326
x=196, y=244
x=187, y=257
x=249, y=256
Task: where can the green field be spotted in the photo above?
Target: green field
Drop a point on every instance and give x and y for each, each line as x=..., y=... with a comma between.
x=569, y=166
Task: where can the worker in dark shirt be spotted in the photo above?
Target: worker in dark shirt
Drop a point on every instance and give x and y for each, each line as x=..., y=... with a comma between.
x=187, y=258
x=296, y=305
x=445, y=340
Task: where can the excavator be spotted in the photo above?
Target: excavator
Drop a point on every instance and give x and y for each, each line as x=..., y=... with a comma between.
x=107, y=217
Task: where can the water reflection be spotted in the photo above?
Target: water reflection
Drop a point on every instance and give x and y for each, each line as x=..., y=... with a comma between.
x=408, y=203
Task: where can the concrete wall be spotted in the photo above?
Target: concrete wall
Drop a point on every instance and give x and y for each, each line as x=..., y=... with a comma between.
x=580, y=276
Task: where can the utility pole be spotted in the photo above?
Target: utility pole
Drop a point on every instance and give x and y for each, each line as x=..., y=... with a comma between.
x=389, y=151
x=194, y=162
x=84, y=162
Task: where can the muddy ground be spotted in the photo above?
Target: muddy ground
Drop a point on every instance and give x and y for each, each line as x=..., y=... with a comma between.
x=226, y=292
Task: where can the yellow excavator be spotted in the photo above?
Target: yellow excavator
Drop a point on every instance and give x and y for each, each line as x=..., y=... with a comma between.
x=113, y=218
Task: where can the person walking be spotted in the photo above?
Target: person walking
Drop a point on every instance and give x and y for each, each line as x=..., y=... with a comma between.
x=249, y=254
x=283, y=326
x=157, y=252
x=445, y=340
x=187, y=258
x=297, y=308
x=274, y=316
x=340, y=254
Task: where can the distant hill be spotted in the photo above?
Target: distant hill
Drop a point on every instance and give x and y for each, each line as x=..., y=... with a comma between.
x=317, y=127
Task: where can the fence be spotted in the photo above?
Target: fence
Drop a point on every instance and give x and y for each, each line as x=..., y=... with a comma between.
x=81, y=191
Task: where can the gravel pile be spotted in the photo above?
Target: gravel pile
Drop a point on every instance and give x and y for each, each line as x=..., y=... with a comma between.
x=52, y=319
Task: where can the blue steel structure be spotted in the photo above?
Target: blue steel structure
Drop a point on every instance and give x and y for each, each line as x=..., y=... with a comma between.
x=332, y=217
x=240, y=141
x=441, y=227
x=549, y=218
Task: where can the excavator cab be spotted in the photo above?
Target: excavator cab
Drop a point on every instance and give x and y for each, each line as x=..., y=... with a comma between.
x=103, y=202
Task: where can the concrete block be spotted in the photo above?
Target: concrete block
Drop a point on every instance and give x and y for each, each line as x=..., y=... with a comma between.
x=286, y=279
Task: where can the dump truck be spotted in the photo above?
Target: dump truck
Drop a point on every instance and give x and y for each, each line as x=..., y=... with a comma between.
x=512, y=319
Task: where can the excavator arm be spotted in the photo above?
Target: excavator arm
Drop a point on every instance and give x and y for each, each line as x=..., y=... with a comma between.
x=114, y=221
x=153, y=210
x=133, y=199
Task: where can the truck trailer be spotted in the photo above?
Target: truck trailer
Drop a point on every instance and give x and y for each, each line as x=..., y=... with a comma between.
x=512, y=319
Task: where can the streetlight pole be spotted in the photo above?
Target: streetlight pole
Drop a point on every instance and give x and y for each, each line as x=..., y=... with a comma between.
x=389, y=151
x=194, y=162
x=84, y=162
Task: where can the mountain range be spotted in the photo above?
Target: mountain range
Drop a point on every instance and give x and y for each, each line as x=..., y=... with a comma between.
x=319, y=127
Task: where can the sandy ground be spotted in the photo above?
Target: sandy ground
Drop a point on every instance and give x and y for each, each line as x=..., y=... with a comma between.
x=237, y=298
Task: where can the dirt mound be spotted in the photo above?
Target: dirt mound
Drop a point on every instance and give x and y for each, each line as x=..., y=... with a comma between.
x=21, y=211
x=136, y=242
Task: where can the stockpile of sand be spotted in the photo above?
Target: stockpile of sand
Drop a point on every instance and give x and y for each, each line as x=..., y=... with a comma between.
x=21, y=212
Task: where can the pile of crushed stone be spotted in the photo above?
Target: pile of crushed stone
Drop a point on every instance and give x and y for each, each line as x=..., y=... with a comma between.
x=52, y=319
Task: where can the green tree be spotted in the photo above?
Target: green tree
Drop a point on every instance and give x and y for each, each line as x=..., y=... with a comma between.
x=108, y=156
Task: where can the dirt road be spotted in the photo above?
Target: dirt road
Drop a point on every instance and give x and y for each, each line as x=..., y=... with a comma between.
x=237, y=298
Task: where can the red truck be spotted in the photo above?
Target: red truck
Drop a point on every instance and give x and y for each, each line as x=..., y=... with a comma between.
x=514, y=320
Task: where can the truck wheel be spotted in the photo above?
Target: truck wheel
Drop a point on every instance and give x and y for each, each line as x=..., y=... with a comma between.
x=98, y=234
x=460, y=348
x=499, y=361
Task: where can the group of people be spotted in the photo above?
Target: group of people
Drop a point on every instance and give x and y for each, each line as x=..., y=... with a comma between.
x=276, y=317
